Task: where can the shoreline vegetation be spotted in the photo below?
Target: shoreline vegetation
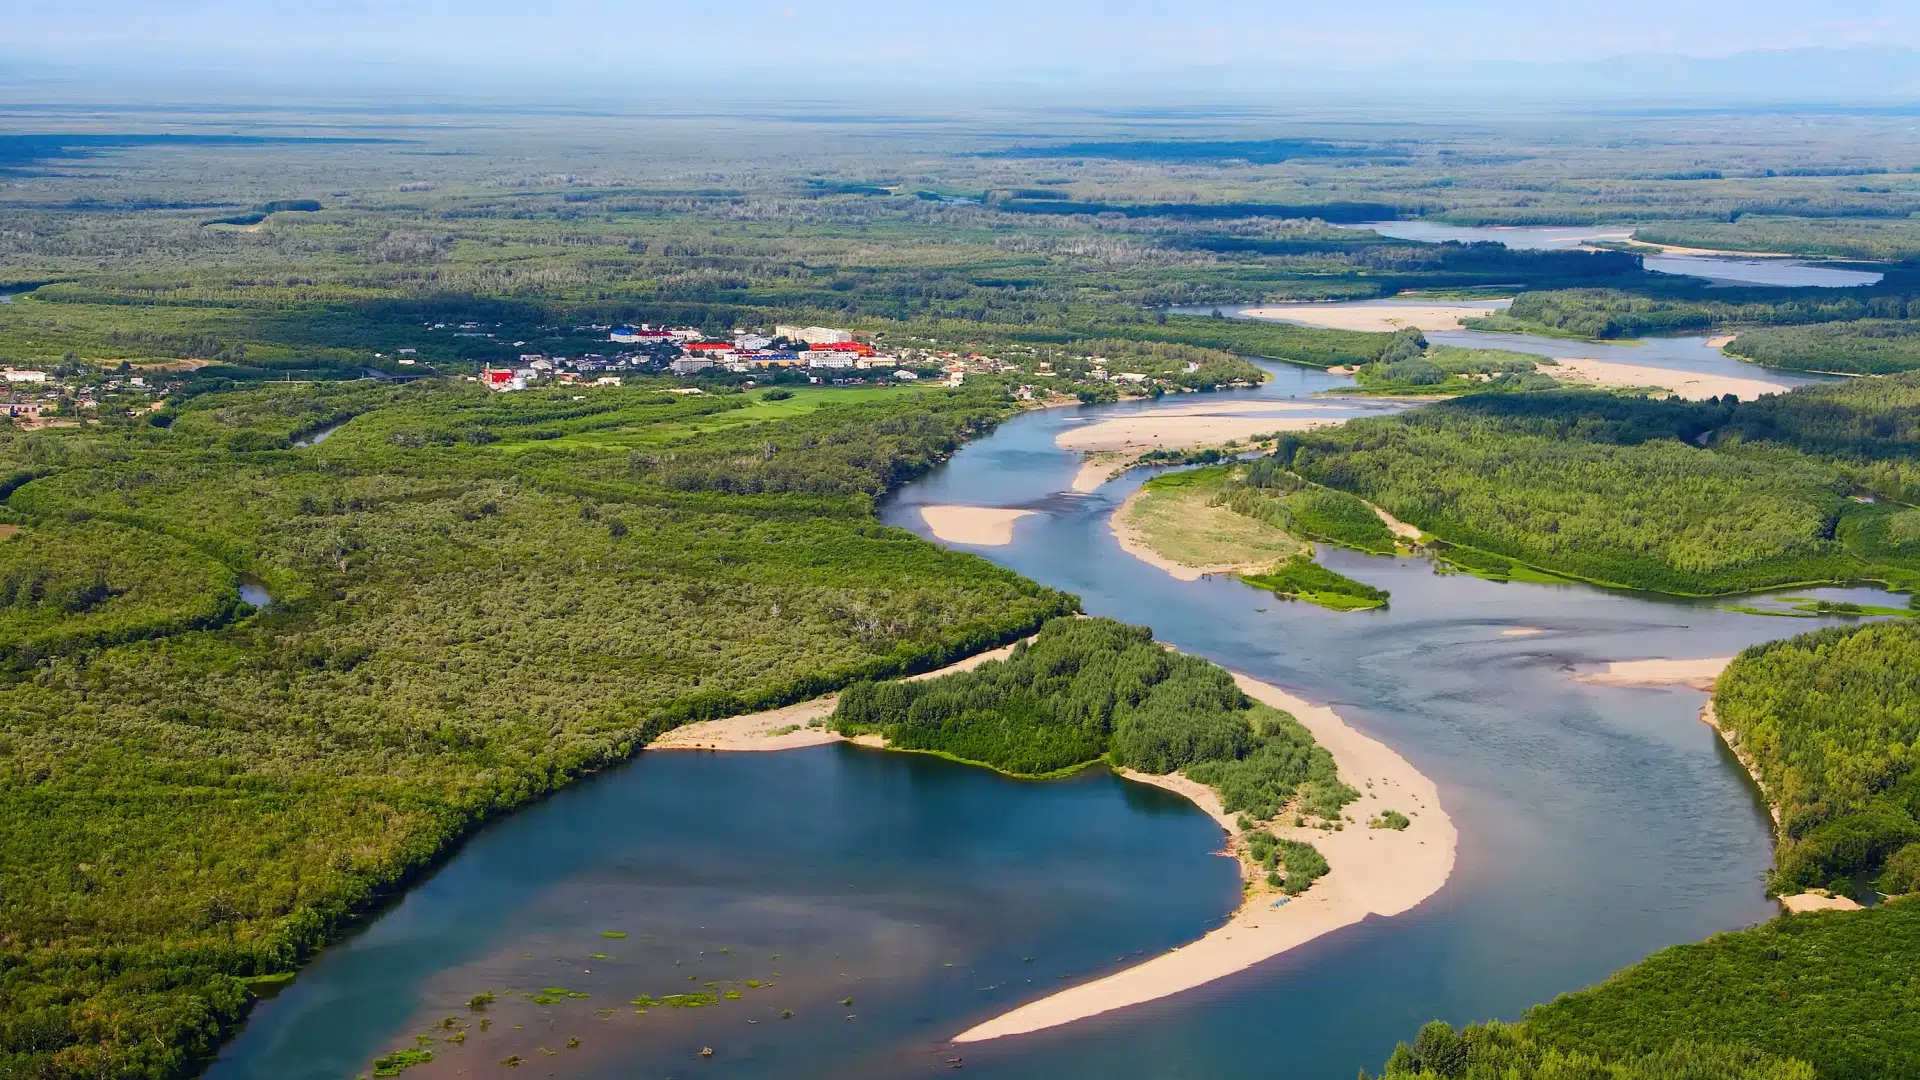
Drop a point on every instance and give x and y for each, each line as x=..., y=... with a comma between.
x=1376, y=850
x=1824, y=723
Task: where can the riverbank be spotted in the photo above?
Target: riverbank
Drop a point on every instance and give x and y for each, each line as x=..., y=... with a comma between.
x=1382, y=872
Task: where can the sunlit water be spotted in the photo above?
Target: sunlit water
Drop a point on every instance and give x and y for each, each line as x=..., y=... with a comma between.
x=1722, y=270
x=1597, y=825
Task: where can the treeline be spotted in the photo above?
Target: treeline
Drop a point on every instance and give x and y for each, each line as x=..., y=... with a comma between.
x=1830, y=721
x=1863, y=347
x=1084, y=690
x=1612, y=313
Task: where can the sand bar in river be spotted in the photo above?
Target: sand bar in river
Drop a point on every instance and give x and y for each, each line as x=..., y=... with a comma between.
x=1698, y=674
x=1691, y=385
x=976, y=526
x=1187, y=427
x=1375, y=317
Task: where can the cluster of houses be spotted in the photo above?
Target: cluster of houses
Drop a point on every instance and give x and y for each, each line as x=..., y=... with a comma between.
x=32, y=398
x=689, y=351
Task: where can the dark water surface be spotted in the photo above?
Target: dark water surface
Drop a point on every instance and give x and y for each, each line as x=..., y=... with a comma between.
x=1597, y=825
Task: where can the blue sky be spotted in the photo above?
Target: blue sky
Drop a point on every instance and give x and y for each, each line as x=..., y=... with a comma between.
x=982, y=36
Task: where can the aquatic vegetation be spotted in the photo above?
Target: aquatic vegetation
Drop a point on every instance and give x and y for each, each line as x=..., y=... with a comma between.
x=1300, y=578
x=732, y=995
x=696, y=1000
x=401, y=1060
x=513, y=1061
x=786, y=1014
x=613, y=933
x=573, y=1042
x=481, y=1000
x=598, y=956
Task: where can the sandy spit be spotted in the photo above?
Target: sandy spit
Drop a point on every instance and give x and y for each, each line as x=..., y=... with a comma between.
x=1698, y=674
x=1686, y=384
x=1720, y=341
x=1375, y=872
x=1376, y=317
x=1096, y=470
x=1521, y=631
x=756, y=731
x=976, y=526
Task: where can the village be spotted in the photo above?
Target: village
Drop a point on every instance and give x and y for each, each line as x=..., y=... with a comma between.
x=825, y=355
x=35, y=398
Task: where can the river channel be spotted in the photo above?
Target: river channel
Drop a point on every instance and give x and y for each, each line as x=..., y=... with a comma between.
x=892, y=900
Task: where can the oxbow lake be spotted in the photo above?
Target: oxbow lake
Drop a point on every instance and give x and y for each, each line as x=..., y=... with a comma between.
x=1597, y=825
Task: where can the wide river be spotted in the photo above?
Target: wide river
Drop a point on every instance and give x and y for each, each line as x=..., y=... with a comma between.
x=892, y=900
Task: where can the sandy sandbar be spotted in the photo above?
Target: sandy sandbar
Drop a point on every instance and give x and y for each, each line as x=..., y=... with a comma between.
x=1809, y=901
x=1687, y=384
x=1720, y=341
x=1377, y=317
x=975, y=526
x=1374, y=872
x=1188, y=427
x=1698, y=674
x=1521, y=631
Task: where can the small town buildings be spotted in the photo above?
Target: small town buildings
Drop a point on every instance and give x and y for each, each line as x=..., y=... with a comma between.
x=22, y=375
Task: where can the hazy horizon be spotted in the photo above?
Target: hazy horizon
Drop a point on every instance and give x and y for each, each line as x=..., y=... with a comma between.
x=579, y=49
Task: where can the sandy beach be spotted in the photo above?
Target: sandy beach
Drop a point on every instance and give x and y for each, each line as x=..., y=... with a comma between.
x=1375, y=872
x=1698, y=674
x=1720, y=341
x=976, y=526
x=1686, y=384
x=1191, y=426
x=1374, y=317
x=786, y=728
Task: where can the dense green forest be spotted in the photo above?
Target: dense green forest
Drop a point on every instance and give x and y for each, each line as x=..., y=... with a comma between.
x=1084, y=690
x=1684, y=305
x=1620, y=490
x=1827, y=995
x=476, y=598
x=1862, y=347
x=1829, y=721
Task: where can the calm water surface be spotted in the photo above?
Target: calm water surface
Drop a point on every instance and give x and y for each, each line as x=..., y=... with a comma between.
x=1597, y=825
x=1722, y=270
